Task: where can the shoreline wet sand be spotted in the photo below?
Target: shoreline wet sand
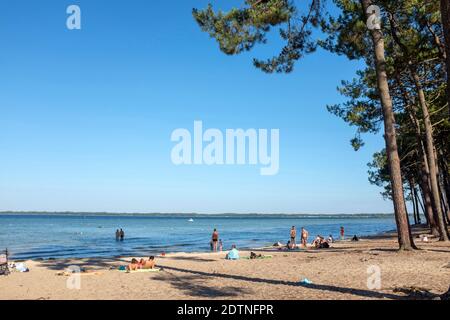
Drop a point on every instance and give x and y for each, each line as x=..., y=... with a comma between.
x=341, y=272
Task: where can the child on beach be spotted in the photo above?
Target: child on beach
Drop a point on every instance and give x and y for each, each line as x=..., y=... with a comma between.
x=220, y=245
x=342, y=233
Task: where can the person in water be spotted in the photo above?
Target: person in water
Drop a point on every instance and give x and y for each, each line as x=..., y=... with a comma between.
x=122, y=235
x=293, y=236
x=215, y=239
x=117, y=235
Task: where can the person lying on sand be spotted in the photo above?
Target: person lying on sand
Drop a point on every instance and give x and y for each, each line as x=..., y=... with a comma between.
x=255, y=256
x=149, y=264
x=320, y=243
x=134, y=265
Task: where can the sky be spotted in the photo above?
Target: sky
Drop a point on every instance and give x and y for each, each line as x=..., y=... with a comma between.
x=86, y=116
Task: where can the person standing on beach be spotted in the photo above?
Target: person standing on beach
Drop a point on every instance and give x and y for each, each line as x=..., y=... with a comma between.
x=342, y=233
x=305, y=235
x=117, y=235
x=215, y=239
x=122, y=235
x=293, y=236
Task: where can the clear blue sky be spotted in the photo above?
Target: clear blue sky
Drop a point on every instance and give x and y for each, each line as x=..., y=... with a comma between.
x=86, y=116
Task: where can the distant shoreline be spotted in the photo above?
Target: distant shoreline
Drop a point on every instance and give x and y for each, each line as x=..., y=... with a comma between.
x=198, y=215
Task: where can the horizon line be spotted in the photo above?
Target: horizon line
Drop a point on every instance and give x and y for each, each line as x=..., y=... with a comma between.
x=188, y=213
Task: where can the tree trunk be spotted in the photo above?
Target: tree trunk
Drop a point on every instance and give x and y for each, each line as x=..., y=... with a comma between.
x=429, y=142
x=420, y=203
x=413, y=199
x=403, y=228
x=445, y=174
x=416, y=201
x=429, y=210
x=431, y=157
x=445, y=17
x=445, y=205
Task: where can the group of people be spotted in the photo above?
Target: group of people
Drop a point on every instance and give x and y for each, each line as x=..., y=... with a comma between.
x=142, y=264
x=216, y=245
x=120, y=235
x=304, y=234
x=319, y=242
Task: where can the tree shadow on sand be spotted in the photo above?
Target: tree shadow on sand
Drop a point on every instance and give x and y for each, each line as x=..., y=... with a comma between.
x=191, y=285
x=204, y=275
x=88, y=263
x=187, y=258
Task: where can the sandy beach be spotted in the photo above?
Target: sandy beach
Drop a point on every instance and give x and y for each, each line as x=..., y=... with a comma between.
x=340, y=272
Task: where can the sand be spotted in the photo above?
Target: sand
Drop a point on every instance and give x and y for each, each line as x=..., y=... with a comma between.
x=340, y=272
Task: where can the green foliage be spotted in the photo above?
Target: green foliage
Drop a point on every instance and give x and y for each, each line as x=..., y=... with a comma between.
x=239, y=29
x=412, y=33
x=413, y=37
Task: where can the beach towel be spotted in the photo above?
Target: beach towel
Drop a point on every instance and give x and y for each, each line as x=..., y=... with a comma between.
x=141, y=270
x=258, y=257
x=68, y=273
x=21, y=267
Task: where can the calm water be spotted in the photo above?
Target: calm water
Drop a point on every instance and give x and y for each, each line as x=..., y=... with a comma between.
x=58, y=236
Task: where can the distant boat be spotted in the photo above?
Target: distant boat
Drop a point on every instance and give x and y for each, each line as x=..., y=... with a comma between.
x=191, y=220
